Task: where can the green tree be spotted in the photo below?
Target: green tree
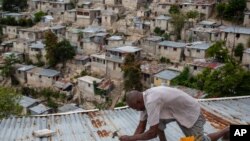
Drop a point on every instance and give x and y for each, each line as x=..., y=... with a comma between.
x=132, y=74
x=174, y=9
x=238, y=52
x=220, y=9
x=158, y=31
x=178, y=22
x=64, y=52
x=183, y=79
x=193, y=14
x=218, y=52
x=38, y=16
x=14, y=5
x=9, y=105
x=8, y=69
x=50, y=46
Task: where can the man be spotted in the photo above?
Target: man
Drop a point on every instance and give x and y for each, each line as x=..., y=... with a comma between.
x=162, y=105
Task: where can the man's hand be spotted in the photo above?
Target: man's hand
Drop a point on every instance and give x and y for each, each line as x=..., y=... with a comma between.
x=126, y=138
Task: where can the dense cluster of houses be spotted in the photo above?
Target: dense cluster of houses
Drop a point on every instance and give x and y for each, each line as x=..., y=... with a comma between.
x=103, y=32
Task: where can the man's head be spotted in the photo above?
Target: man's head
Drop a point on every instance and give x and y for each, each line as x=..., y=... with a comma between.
x=134, y=100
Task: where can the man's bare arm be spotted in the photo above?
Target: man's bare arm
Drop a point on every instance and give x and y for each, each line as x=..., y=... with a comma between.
x=150, y=134
x=141, y=127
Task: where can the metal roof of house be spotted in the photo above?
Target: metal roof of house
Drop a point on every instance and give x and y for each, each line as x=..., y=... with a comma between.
x=69, y=108
x=125, y=49
x=94, y=29
x=154, y=38
x=172, y=44
x=26, y=67
x=115, y=38
x=207, y=23
x=199, y=45
x=89, y=79
x=38, y=45
x=236, y=110
x=247, y=50
x=167, y=74
x=27, y=101
x=80, y=126
x=39, y=109
x=56, y=27
x=163, y=17
x=240, y=30
x=13, y=14
x=49, y=72
x=101, y=56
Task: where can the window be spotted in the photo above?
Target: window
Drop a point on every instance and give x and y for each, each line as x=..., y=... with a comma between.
x=163, y=6
x=89, y=85
x=195, y=67
x=156, y=78
x=103, y=61
x=194, y=32
x=114, y=66
x=248, y=16
x=31, y=74
x=237, y=35
x=185, y=5
x=40, y=76
x=203, y=7
x=180, y=6
x=106, y=18
x=198, y=50
x=159, y=47
x=188, y=50
x=119, y=65
x=166, y=48
x=19, y=71
x=175, y=49
x=197, y=7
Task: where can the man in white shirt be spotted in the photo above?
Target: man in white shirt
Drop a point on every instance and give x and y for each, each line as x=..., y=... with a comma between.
x=161, y=105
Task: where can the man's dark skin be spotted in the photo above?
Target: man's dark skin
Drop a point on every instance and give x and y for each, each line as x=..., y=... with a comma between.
x=135, y=101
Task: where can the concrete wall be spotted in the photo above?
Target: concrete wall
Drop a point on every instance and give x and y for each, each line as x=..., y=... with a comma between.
x=36, y=81
x=21, y=76
x=73, y=38
x=116, y=43
x=132, y=4
x=231, y=39
x=32, y=53
x=194, y=54
x=108, y=20
x=159, y=82
x=114, y=70
x=88, y=48
x=10, y=31
x=86, y=89
x=169, y=53
x=246, y=58
x=162, y=24
x=149, y=46
x=21, y=47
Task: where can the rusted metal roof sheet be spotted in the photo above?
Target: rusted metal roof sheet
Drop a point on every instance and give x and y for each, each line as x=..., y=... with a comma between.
x=233, y=109
x=91, y=126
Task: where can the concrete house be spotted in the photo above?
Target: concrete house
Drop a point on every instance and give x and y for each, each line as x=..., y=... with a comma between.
x=21, y=73
x=205, y=31
x=133, y=4
x=113, y=2
x=90, y=45
x=246, y=58
x=85, y=17
x=86, y=4
x=115, y=58
x=35, y=49
x=115, y=41
x=196, y=50
x=39, y=77
x=40, y=110
x=10, y=31
x=139, y=26
x=162, y=21
x=79, y=63
x=86, y=85
x=164, y=77
x=235, y=35
x=150, y=43
x=32, y=34
x=92, y=31
x=70, y=16
x=204, y=7
x=108, y=18
x=98, y=64
x=27, y=102
x=21, y=45
x=74, y=35
x=59, y=30
x=198, y=65
x=171, y=50
x=247, y=15
x=143, y=12
x=51, y=7
x=17, y=16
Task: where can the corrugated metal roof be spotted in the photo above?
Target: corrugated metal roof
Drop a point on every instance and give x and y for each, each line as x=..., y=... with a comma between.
x=240, y=30
x=234, y=109
x=199, y=45
x=49, y=72
x=69, y=108
x=125, y=49
x=172, y=44
x=163, y=17
x=207, y=23
x=27, y=101
x=154, y=38
x=115, y=38
x=94, y=29
x=167, y=74
x=89, y=79
x=40, y=109
x=38, y=45
x=247, y=50
x=91, y=126
x=26, y=67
